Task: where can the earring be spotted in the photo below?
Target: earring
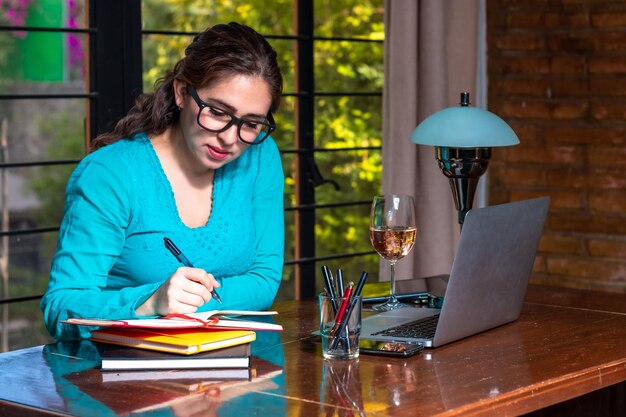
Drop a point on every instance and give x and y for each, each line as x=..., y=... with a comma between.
x=180, y=108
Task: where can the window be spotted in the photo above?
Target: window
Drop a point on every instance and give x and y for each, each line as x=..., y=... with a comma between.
x=329, y=125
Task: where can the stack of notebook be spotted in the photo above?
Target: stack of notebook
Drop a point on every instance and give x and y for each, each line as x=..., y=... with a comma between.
x=204, y=341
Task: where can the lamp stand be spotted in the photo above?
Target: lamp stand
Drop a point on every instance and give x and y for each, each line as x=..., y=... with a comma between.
x=463, y=167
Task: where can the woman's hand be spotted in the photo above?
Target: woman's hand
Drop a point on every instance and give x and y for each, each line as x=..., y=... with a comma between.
x=183, y=292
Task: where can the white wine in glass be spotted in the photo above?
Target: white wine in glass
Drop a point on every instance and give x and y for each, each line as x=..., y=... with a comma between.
x=392, y=233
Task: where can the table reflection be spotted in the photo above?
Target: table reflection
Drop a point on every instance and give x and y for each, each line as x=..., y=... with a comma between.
x=83, y=390
x=341, y=391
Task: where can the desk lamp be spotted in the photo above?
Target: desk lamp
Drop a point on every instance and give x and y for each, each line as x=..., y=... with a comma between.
x=463, y=137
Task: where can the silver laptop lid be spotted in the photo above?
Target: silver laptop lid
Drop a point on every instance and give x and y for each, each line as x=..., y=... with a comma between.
x=492, y=268
x=489, y=276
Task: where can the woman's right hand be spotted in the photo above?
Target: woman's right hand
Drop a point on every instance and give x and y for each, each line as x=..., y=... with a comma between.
x=182, y=293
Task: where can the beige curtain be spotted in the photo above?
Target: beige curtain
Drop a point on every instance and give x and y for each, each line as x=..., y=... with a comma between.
x=430, y=57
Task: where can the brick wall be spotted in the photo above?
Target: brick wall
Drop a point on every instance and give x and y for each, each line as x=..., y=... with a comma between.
x=557, y=75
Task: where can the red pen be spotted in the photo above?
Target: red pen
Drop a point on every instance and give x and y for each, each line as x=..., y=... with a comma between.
x=342, y=309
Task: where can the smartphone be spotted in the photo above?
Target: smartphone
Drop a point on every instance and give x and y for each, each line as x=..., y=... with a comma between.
x=397, y=349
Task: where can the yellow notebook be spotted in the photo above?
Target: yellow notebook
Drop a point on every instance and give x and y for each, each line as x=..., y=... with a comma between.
x=185, y=342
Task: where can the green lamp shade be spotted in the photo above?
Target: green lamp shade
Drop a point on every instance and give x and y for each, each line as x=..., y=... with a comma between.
x=464, y=127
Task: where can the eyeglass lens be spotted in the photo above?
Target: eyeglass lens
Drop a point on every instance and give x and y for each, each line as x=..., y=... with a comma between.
x=249, y=130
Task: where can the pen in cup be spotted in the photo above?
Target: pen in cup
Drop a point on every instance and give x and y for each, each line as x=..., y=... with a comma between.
x=342, y=309
x=354, y=294
x=330, y=288
x=183, y=260
x=340, y=282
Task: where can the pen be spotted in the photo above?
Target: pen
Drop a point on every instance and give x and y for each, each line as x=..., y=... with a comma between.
x=353, y=301
x=329, y=286
x=183, y=260
x=342, y=319
x=340, y=282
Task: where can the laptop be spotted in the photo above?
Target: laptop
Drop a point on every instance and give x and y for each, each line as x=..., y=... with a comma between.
x=487, y=283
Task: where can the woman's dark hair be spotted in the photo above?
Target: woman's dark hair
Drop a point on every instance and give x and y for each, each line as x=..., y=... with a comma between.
x=218, y=53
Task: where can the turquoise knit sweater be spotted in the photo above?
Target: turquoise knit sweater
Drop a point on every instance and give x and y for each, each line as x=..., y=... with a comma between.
x=119, y=205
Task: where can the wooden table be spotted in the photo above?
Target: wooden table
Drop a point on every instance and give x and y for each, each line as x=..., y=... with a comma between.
x=566, y=344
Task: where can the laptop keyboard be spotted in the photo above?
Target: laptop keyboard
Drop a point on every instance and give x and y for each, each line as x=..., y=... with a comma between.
x=419, y=329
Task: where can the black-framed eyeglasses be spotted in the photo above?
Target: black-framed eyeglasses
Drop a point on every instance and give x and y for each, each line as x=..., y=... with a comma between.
x=217, y=120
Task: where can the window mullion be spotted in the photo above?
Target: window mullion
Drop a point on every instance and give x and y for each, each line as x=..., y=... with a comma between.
x=305, y=192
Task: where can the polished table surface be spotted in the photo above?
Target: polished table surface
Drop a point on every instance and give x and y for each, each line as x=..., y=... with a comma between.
x=566, y=343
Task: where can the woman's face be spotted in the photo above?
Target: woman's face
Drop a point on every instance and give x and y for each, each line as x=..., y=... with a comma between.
x=242, y=96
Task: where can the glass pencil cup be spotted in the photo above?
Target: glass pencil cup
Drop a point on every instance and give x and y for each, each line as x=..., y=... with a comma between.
x=340, y=326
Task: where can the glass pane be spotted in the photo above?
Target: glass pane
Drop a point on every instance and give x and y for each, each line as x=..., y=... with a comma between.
x=43, y=130
x=344, y=123
x=21, y=326
x=349, y=18
x=343, y=230
x=287, y=290
x=26, y=69
x=285, y=122
x=29, y=258
x=348, y=122
x=36, y=195
x=347, y=66
x=44, y=13
x=268, y=18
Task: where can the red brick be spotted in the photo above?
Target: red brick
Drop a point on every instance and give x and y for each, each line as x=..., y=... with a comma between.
x=496, y=21
x=583, y=284
x=604, y=248
x=523, y=87
x=607, y=65
x=578, y=87
x=606, y=135
x=559, y=199
x=610, y=42
x=517, y=65
x=548, y=155
x=606, y=157
x=611, y=111
x=586, y=223
x=608, y=86
x=546, y=110
x=521, y=3
x=568, y=65
x=608, y=202
x=519, y=42
x=525, y=19
x=521, y=176
x=607, y=179
x=552, y=243
x=566, y=178
x=572, y=42
x=594, y=42
x=606, y=20
x=557, y=72
x=598, y=179
x=566, y=20
x=589, y=269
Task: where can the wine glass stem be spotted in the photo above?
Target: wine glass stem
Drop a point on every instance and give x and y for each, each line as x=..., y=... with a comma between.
x=392, y=281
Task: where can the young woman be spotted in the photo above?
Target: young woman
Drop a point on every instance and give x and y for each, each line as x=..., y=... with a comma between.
x=192, y=162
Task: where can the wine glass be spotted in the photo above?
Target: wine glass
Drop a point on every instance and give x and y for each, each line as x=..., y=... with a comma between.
x=392, y=233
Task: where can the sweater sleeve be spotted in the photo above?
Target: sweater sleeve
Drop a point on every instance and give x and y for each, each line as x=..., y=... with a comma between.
x=98, y=210
x=257, y=288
